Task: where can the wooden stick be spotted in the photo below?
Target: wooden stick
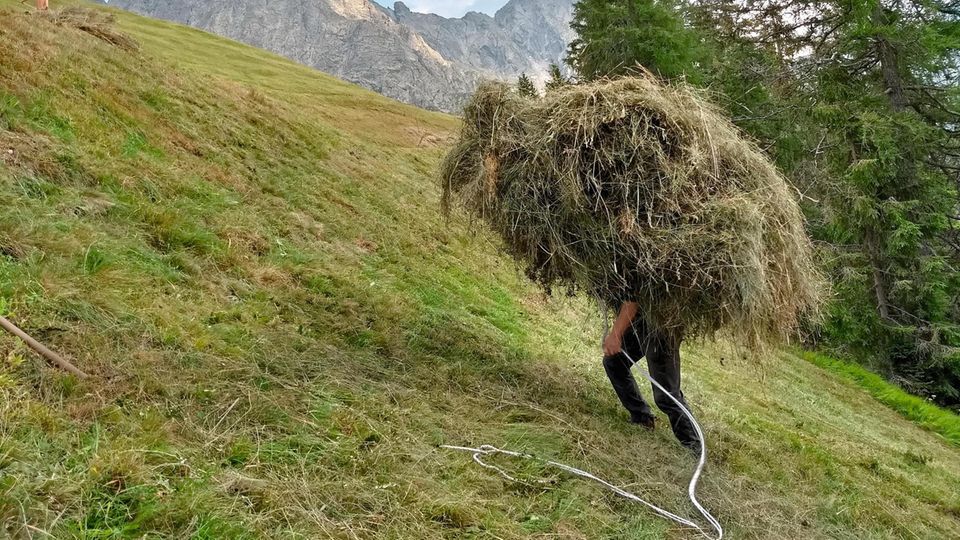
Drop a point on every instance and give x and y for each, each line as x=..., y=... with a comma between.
x=51, y=356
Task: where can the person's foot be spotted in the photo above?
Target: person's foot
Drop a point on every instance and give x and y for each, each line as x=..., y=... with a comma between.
x=693, y=446
x=648, y=421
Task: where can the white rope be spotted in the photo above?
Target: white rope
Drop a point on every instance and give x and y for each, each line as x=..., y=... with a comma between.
x=488, y=450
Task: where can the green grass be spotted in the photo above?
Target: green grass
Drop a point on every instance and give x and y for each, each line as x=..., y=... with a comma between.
x=920, y=411
x=248, y=257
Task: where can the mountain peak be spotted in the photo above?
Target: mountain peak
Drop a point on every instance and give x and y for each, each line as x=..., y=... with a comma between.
x=353, y=9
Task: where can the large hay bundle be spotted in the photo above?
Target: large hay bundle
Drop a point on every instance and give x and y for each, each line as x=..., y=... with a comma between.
x=633, y=190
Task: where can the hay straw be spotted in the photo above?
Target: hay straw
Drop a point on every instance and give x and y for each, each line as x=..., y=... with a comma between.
x=96, y=23
x=629, y=189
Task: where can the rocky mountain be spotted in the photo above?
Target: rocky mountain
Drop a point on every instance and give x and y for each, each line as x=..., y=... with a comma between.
x=423, y=59
x=525, y=36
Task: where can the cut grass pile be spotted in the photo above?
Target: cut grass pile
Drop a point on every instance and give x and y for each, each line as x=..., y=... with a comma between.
x=635, y=190
x=247, y=255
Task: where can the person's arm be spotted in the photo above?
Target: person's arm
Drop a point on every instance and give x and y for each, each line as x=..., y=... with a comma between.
x=613, y=343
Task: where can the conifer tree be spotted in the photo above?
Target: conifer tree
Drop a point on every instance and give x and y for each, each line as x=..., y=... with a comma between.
x=881, y=81
x=525, y=86
x=615, y=37
x=557, y=80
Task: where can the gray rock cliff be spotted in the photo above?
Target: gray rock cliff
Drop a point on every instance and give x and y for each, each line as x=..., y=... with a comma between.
x=525, y=36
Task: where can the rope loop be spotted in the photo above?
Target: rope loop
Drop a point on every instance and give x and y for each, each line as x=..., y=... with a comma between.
x=489, y=450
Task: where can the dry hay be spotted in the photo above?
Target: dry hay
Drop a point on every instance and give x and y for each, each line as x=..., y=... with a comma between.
x=96, y=23
x=629, y=189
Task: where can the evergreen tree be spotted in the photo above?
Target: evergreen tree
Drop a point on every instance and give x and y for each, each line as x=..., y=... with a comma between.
x=614, y=37
x=889, y=127
x=880, y=79
x=525, y=87
x=557, y=80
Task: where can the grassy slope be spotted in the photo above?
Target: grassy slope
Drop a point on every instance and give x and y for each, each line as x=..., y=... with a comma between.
x=248, y=256
x=941, y=421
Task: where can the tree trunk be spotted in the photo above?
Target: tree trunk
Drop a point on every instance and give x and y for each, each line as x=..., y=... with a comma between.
x=889, y=65
x=889, y=61
x=893, y=88
x=872, y=248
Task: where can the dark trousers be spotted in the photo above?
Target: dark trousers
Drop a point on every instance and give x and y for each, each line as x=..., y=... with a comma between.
x=663, y=361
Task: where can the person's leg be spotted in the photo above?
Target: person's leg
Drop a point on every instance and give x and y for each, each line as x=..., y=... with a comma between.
x=618, y=371
x=663, y=359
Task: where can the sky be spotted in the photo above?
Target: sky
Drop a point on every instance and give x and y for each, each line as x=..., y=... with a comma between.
x=450, y=8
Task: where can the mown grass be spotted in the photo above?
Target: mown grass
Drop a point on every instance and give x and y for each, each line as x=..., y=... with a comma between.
x=920, y=411
x=248, y=257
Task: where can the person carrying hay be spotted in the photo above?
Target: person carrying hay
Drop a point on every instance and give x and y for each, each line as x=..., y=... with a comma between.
x=644, y=196
x=632, y=335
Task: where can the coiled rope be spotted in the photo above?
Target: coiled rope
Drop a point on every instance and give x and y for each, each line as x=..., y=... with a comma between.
x=488, y=450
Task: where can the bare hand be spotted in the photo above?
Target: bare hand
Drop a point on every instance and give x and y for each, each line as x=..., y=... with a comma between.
x=612, y=344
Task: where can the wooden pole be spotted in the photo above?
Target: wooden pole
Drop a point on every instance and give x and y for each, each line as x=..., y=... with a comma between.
x=51, y=356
